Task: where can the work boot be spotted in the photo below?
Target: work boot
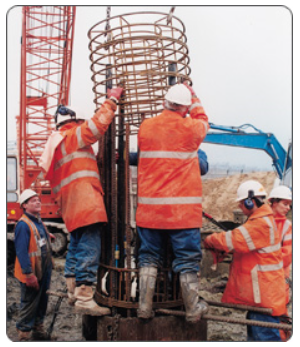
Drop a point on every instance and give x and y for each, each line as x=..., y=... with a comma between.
x=24, y=335
x=71, y=284
x=194, y=308
x=85, y=303
x=39, y=333
x=147, y=280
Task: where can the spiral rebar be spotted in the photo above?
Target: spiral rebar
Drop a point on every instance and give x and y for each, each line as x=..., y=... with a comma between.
x=145, y=52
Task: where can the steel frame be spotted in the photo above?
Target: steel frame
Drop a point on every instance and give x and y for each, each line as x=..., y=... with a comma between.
x=46, y=54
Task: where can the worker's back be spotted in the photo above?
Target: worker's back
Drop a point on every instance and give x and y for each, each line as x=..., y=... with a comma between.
x=169, y=183
x=76, y=182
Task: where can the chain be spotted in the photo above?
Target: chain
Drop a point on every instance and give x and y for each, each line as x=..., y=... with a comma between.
x=170, y=15
x=115, y=327
x=107, y=27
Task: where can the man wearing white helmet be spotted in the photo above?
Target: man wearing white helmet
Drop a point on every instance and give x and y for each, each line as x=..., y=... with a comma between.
x=280, y=199
x=170, y=197
x=256, y=275
x=32, y=268
x=69, y=163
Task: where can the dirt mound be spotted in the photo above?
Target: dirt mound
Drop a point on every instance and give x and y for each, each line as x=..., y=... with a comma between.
x=219, y=194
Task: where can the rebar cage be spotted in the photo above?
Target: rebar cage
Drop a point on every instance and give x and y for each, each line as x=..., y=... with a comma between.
x=145, y=52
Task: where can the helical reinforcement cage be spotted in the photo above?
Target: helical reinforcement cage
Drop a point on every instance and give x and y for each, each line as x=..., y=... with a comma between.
x=146, y=52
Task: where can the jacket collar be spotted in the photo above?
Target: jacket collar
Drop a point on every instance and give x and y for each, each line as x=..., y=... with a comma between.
x=68, y=126
x=170, y=114
x=33, y=218
x=262, y=211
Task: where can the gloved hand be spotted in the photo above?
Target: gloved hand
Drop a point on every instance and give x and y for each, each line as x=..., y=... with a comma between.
x=32, y=282
x=52, y=237
x=218, y=257
x=190, y=88
x=115, y=93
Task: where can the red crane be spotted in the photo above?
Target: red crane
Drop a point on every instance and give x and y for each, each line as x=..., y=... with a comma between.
x=46, y=57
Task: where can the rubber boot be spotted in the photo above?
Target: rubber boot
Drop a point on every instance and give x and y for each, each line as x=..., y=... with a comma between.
x=24, y=335
x=147, y=280
x=190, y=287
x=39, y=333
x=71, y=284
x=85, y=303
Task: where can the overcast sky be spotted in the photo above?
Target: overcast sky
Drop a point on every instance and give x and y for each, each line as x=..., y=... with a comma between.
x=241, y=62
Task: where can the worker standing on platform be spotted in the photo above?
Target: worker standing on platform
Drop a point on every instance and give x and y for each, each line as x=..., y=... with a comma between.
x=33, y=267
x=281, y=200
x=70, y=165
x=170, y=197
x=256, y=275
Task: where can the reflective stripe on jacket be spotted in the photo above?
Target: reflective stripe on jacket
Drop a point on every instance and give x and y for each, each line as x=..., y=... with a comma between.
x=256, y=275
x=34, y=252
x=169, y=182
x=284, y=227
x=74, y=174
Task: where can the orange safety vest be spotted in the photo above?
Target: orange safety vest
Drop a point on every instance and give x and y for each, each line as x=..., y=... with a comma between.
x=256, y=275
x=34, y=252
x=284, y=227
x=169, y=181
x=73, y=173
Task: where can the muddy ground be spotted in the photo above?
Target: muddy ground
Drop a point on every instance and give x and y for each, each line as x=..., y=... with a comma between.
x=219, y=201
x=68, y=327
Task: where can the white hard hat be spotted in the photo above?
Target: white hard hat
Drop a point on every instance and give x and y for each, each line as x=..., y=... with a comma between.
x=281, y=192
x=179, y=94
x=26, y=194
x=248, y=186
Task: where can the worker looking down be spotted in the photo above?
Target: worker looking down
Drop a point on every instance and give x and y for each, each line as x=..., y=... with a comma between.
x=256, y=276
x=70, y=166
x=33, y=268
x=170, y=197
x=280, y=199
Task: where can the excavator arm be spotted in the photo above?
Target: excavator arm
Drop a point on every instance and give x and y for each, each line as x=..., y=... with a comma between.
x=256, y=139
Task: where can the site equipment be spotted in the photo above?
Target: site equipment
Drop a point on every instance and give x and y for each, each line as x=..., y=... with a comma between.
x=256, y=139
x=46, y=55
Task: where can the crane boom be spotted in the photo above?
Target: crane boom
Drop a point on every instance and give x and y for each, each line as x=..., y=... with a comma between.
x=46, y=55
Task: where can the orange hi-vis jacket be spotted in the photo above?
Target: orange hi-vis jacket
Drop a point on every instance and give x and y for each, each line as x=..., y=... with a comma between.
x=74, y=174
x=169, y=182
x=34, y=252
x=284, y=227
x=256, y=275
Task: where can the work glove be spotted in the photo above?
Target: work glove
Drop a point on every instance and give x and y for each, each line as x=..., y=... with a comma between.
x=52, y=237
x=218, y=257
x=190, y=88
x=32, y=282
x=115, y=93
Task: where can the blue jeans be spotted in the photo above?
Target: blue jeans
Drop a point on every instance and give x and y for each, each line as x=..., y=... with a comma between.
x=83, y=255
x=255, y=333
x=34, y=303
x=186, y=244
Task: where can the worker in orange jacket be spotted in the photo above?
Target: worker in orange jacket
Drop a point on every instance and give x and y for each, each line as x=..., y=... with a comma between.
x=170, y=196
x=70, y=165
x=281, y=199
x=256, y=275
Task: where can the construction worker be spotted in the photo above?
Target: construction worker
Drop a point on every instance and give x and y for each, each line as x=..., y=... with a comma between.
x=170, y=197
x=33, y=267
x=256, y=275
x=70, y=166
x=280, y=199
